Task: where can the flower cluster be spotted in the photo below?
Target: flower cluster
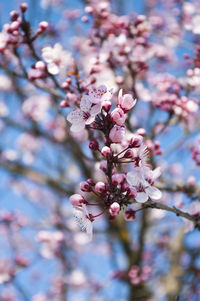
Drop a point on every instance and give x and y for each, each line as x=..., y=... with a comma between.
x=118, y=151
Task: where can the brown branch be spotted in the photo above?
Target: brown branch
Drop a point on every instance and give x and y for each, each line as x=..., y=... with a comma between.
x=178, y=212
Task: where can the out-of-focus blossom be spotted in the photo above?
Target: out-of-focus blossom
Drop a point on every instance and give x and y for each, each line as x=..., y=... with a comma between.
x=57, y=59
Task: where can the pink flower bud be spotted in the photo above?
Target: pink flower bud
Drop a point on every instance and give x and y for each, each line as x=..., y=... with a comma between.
x=14, y=15
x=43, y=25
x=141, y=132
x=90, y=182
x=23, y=7
x=118, y=178
x=114, y=209
x=94, y=145
x=40, y=65
x=84, y=19
x=118, y=116
x=64, y=104
x=106, y=151
x=135, y=141
x=129, y=214
x=129, y=154
x=65, y=85
x=125, y=187
x=132, y=193
x=76, y=200
x=100, y=187
x=126, y=102
x=117, y=134
x=88, y=9
x=84, y=186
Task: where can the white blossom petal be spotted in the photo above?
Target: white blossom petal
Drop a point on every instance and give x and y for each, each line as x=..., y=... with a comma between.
x=95, y=109
x=153, y=192
x=90, y=120
x=77, y=127
x=141, y=197
x=75, y=116
x=85, y=104
x=156, y=173
x=53, y=68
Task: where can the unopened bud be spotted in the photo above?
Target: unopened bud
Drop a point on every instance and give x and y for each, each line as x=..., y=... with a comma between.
x=114, y=209
x=84, y=186
x=94, y=145
x=129, y=214
x=43, y=25
x=24, y=7
x=100, y=187
x=106, y=151
x=76, y=200
x=129, y=154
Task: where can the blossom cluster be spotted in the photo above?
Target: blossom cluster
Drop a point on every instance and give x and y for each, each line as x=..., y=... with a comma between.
x=119, y=150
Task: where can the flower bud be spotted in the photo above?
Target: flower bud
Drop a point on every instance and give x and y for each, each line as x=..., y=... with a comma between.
x=141, y=132
x=106, y=151
x=40, y=65
x=76, y=200
x=100, y=187
x=64, y=103
x=126, y=102
x=24, y=7
x=118, y=116
x=129, y=154
x=84, y=19
x=90, y=182
x=14, y=15
x=118, y=178
x=129, y=214
x=117, y=134
x=135, y=141
x=132, y=193
x=89, y=9
x=43, y=25
x=84, y=186
x=94, y=145
x=114, y=209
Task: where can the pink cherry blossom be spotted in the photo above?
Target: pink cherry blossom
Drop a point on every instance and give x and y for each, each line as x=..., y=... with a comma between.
x=118, y=116
x=117, y=134
x=126, y=101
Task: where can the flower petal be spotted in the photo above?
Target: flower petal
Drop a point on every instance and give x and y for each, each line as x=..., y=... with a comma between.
x=95, y=109
x=77, y=127
x=75, y=116
x=153, y=192
x=85, y=104
x=53, y=68
x=141, y=197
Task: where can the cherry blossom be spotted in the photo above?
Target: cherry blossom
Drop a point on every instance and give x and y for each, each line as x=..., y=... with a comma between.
x=85, y=115
x=56, y=58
